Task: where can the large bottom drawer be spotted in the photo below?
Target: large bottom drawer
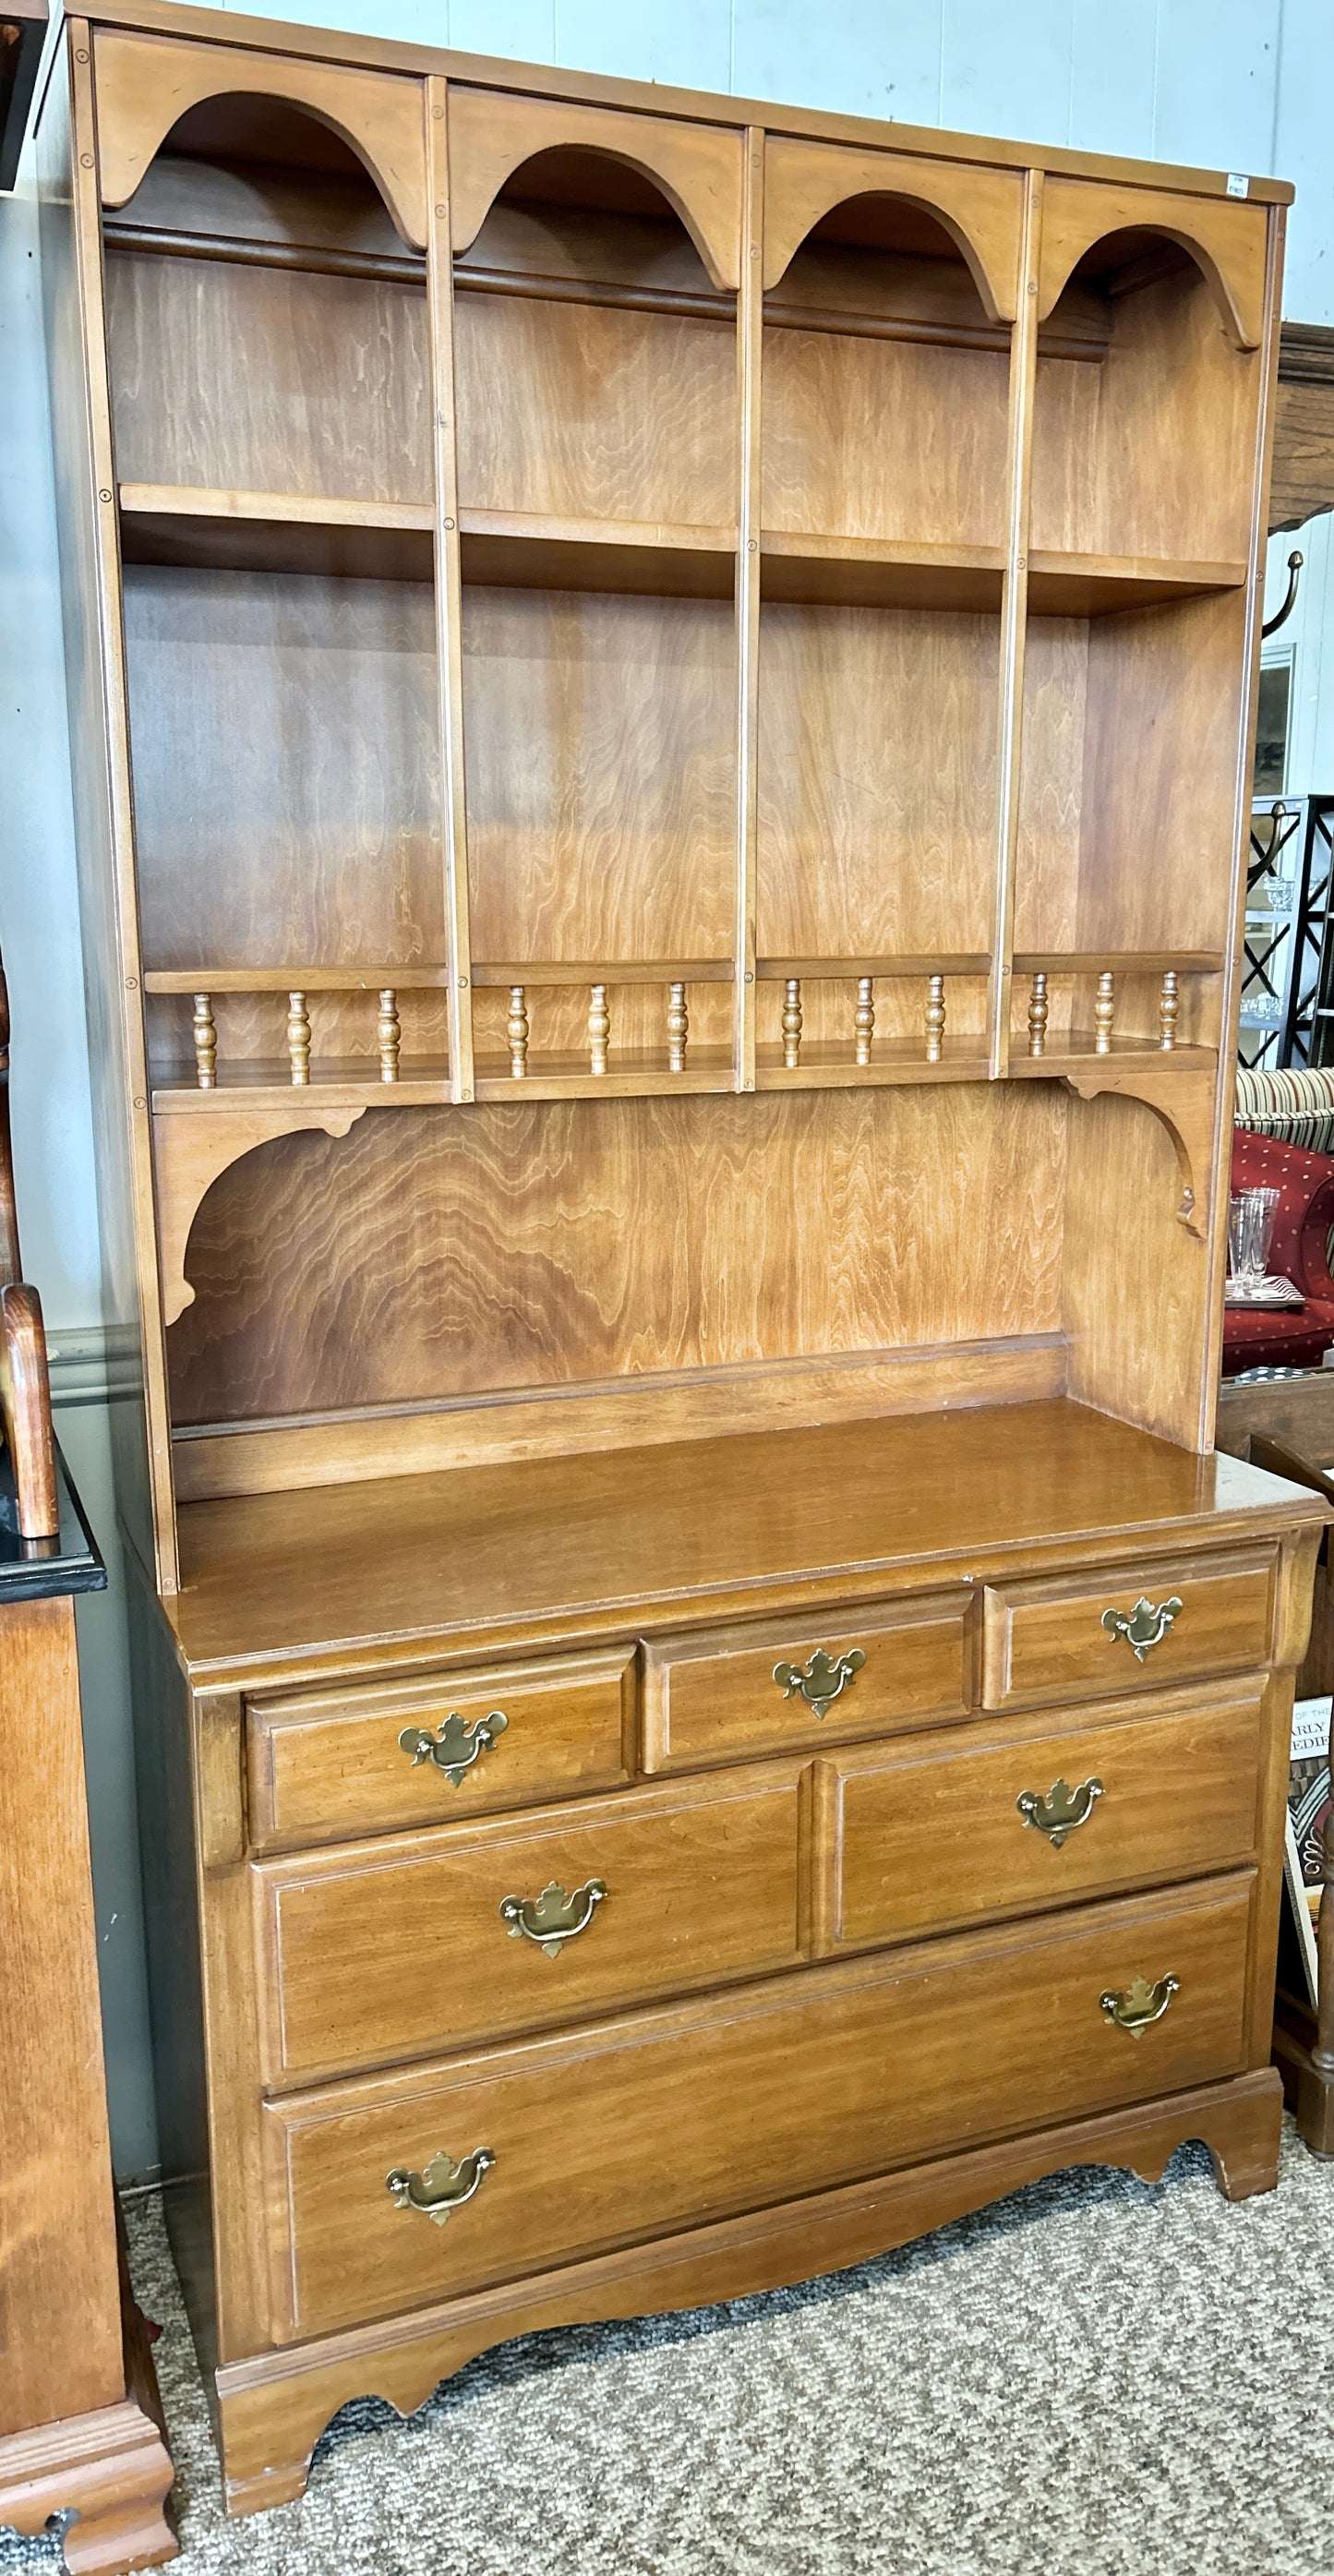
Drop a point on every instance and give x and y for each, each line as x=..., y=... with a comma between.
x=675, y=2116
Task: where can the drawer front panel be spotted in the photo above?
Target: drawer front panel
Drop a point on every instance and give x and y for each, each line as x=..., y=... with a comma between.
x=1166, y=1622
x=921, y=1836
x=673, y=2117
x=401, y=1949
x=709, y=1697
x=331, y=1763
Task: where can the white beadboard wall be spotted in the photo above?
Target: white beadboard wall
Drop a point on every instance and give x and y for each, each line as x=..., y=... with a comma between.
x=1244, y=85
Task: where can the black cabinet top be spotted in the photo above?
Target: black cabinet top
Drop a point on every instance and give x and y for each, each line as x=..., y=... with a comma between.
x=37, y=1569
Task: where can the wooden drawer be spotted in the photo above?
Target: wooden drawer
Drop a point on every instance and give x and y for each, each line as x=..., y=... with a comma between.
x=400, y=1949
x=686, y=2113
x=1047, y=1641
x=922, y=1835
x=714, y=1694
x=332, y=1762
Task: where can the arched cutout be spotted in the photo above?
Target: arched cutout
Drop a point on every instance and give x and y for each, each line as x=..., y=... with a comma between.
x=1226, y=241
x=146, y=84
x=980, y=209
x=695, y=167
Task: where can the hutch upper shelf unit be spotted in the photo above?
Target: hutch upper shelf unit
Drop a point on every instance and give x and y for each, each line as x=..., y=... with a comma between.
x=663, y=694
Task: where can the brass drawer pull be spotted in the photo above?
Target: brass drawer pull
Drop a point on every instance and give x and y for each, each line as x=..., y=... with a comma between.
x=1145, y=1626
x=553, y=1918
x=442, y=2186
x=823, y=1678
x=457, y=1747
x=1139, y=2003
x=1062, y=1811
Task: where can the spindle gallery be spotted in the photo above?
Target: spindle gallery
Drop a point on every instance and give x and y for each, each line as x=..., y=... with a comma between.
x=674, y=1226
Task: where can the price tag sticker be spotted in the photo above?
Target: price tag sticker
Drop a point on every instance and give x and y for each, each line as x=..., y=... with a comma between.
x=1238, y=185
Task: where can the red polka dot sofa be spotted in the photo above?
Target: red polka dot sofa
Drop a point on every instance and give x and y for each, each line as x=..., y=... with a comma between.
x=1274, y=1110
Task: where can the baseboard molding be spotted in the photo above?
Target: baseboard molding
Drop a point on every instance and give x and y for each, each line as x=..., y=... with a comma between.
x=93, y=1364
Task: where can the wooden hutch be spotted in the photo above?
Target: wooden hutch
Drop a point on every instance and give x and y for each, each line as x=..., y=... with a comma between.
x=663, y=697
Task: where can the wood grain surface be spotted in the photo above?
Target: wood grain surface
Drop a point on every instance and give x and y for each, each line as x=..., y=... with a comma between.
x=292, y=851
x=487, y=1255
x=268, y=379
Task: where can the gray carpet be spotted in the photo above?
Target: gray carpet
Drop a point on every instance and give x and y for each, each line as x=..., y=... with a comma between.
x=1092, y=2379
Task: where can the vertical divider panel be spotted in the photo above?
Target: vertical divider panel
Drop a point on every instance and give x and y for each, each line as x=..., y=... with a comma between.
x=448, y=592
x=1227, y=1034
x=1014, y=620
x=126, y=1003
x=750, y=346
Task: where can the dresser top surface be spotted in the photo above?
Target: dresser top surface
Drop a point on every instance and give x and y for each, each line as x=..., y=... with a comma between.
x=486, y=1559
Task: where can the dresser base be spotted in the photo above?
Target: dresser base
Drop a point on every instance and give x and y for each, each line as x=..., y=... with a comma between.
x=272, y=2410
x=111, y=2470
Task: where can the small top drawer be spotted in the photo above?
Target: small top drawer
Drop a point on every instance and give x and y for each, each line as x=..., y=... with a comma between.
x=435, y=1748
x=1172, y=1620
x=779, y=1687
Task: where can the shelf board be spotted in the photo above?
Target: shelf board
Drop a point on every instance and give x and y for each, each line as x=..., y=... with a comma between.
x=517, y=549
x=264, y=1082
x=1061, y=585
x=826, y=1067
x=1078, y=1050
x=672, y=970
x=632, y=1074
x=194, y=527
x=878, y=572
x=884, y=970
x=1126, y=961
x=296, y=979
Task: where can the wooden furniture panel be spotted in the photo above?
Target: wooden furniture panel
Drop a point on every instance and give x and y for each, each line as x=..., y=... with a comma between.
x=1043, y=1641
x=600, y=774
x=923, y=1835
x=844, y=452
x=723, y=1693
x=607, y=414
x=807, y=2081
x=695, y=167
x=292, y=853
x=700, y=1885
x=323, y=1765
x=147, y=84
x=980, y=209
x=268, y=379
x=486, y=1257
x=876, y=838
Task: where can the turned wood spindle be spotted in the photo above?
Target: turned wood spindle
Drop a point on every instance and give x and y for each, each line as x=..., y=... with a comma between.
x=1104, y=1012
x=298, y=1037
x=864, y=1018
x=1038, y=1008
x=1168, y=1006
x=206, y=1042
x=678, y=1029
x=792, y=1023
x=935, y=1019
x=599, y=1028
x=516, y=1030
x=388, y=1033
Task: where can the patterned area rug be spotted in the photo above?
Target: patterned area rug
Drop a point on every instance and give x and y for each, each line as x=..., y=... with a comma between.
x=1091, y=2379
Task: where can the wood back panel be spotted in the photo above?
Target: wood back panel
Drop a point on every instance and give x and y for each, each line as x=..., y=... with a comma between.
x=1150, y=452
x=600, y=767
x=259, y=841
x=268, y=379
x=437, y=1252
